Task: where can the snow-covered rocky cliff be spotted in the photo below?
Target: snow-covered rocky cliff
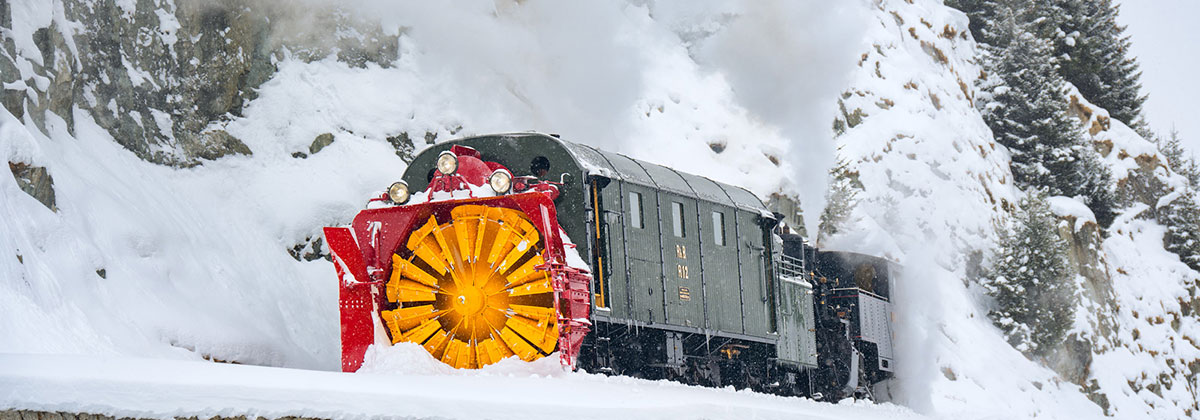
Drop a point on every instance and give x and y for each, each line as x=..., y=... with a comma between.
x=174, y=161
x=936, y=188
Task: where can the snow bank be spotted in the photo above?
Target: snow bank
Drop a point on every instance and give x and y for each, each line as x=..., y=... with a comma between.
x=194, y=262
x=413, y=359
x=122, y=386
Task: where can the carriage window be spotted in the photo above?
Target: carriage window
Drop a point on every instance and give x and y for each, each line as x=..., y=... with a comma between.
x=718, y=228
x=635, y=210
x=677, y=219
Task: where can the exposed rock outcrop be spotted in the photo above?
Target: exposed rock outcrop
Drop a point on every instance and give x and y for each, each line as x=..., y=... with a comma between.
x=404, y=146
x=320, y=142
x=35, y=181
x=1122, y=305
x=1073, y=357
x=161, y=77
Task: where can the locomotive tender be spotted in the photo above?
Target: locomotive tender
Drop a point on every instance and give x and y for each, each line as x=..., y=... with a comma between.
x=685, y=278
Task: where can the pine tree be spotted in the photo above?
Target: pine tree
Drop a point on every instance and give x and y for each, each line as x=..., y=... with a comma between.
x=1090, y=179
x=1094, y=55
x=981, y=15
x=989, y=17
x=1032, y=280
x=1181, y=217
x=1026, y=111
x=840, y=199
x=1090, y=46
x=1178, y=158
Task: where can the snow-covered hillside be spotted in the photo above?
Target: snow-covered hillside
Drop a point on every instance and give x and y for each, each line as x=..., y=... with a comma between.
x=936, y=187
x=196, y=148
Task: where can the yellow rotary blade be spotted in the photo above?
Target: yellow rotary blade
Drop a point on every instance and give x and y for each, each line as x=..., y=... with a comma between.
x=500, y=244
x=519, y=345
x=448, y=254
x=470, y=293
x=402, y=268
x=405, y=319
x=422, y=332
x=526, y=272
x=410, y=291
x=416, y=244
x=537, y=331
x=539, y=283
x=467, y=227
x=436, y=345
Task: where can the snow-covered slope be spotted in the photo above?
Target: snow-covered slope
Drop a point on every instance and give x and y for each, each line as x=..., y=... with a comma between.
x=935, y=189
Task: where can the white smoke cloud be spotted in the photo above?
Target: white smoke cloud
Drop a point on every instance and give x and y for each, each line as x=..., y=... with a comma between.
x=546, y=65
x=787, y=61
x=761, y=76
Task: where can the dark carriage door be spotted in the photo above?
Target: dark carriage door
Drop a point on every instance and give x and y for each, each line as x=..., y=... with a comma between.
x=612, y=278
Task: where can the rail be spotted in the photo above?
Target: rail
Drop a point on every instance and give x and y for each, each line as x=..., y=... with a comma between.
x=859, y=291
x=790, y=267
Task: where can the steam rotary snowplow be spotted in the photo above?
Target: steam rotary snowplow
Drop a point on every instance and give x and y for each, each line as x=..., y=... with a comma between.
x=676, y=276
x=474, y=269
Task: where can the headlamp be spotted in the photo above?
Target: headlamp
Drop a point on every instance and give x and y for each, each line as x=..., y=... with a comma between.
x=447, y=163
x=398, y=192
x=500, y=181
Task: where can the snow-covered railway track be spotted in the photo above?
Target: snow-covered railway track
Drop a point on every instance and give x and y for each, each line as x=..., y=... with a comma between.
x=152, y=388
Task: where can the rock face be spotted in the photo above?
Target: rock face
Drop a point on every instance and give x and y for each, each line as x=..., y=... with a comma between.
x=1130, y=292
x=162, y=77
x=1073, y=357
x=36, y=182
x=320, y=142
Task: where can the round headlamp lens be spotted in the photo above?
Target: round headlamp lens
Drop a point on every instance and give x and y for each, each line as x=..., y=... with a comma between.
x=398, y=192
x=500, y=181
x=447, y=163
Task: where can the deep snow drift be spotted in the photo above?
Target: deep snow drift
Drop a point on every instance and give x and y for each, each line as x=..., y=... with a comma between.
x=401, y=382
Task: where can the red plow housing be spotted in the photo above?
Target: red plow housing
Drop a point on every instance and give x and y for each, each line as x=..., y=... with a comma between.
x=472, y=280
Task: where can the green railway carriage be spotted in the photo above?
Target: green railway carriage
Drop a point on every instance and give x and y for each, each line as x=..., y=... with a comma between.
x=676, y=257
x=687, y=278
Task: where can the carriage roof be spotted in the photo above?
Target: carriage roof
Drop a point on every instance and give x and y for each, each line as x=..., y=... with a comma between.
x=514, y=150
